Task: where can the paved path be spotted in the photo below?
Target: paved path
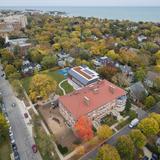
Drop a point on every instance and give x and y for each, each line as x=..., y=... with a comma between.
x=64, y=92
x=22, y=136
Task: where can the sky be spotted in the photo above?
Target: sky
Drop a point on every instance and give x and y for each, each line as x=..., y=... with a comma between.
x=79, y=2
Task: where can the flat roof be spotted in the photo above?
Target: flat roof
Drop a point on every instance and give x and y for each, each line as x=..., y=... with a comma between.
x=91, y=97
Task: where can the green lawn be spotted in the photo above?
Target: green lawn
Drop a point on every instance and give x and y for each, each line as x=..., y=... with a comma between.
x=55, y=76
x=5, y=151
x=67, y=87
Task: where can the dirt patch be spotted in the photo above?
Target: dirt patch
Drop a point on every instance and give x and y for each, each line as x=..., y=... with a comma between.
x=56, y=124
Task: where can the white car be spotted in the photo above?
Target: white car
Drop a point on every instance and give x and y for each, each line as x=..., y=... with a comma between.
x=134, y=123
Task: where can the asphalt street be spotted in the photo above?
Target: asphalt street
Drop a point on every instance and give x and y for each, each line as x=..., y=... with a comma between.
x=22, y=136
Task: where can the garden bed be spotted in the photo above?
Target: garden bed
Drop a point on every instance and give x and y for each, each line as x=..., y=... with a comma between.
x=109, y=120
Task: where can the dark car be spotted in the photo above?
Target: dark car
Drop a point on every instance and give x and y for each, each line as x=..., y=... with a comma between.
x=34, y=148
x=154, y=156
x=14, y=147
x=16, y=155
x=145, y=158
x=25, y=115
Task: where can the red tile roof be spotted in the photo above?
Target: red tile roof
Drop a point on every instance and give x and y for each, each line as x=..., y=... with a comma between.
x=80, y=71
x=91, y=97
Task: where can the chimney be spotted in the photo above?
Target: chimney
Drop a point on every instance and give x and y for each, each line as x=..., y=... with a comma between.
x=86, y=100
x=95, y=90
x=112, y=89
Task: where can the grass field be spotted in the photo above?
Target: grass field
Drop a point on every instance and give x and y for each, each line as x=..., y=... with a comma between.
x=5, y=151
x=55, y=76
x=68, y=88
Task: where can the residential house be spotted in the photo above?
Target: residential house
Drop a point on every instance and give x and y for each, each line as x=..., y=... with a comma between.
x=94, y=101
x=137, y=92
x=150, y=78
x=64, y=58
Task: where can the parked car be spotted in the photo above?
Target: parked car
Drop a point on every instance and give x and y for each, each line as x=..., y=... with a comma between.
x=16, y=155
x=12, y=141
x=145, y=158
x=134, y=123
x=34, y=148
x=10, y=133
x=13, y=104
x=25, y=115
x=7, y=120
x=154, y=156
x=14, y=147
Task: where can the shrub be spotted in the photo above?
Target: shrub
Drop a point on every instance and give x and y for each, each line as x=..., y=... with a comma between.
x=62, y=149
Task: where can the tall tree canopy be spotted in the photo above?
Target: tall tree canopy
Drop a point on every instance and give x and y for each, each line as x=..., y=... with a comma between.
x=149, y=126
x=3, y=128
x=104, y=131
x=138, y=138
x=83, y=128
x=108, y=152
x=125, y=147
x=41, y=86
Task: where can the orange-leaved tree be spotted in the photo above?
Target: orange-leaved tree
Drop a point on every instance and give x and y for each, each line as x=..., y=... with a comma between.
x=83, y=128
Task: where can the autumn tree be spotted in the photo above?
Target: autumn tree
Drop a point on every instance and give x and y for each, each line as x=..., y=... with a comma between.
x=18, y=63
x=121, y=79
x=6, y=56
x=107, y=72
x=108, y=152
x=125, y=147
x=150, y=101
x=48, y=61
x=35, y=55
x=149, y=127
x=104, y=131
x=140, y=74
x=138, y=138
x=81, y=150
x=14, y=76
x=157, y=83
x=41, y=86
x=9, y=69
x=83, y=128
x=3, y=128
x=112, y=55
x=156, y=117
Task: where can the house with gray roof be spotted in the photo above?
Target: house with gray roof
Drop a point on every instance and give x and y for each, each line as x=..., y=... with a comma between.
x=137, y=92
x=150, y=78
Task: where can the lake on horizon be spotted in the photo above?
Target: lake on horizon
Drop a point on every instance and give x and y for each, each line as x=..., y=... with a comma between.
x=121, y=13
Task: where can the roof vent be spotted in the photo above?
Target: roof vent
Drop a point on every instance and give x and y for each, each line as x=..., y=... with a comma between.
x=112, y=89
x=86, y=100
